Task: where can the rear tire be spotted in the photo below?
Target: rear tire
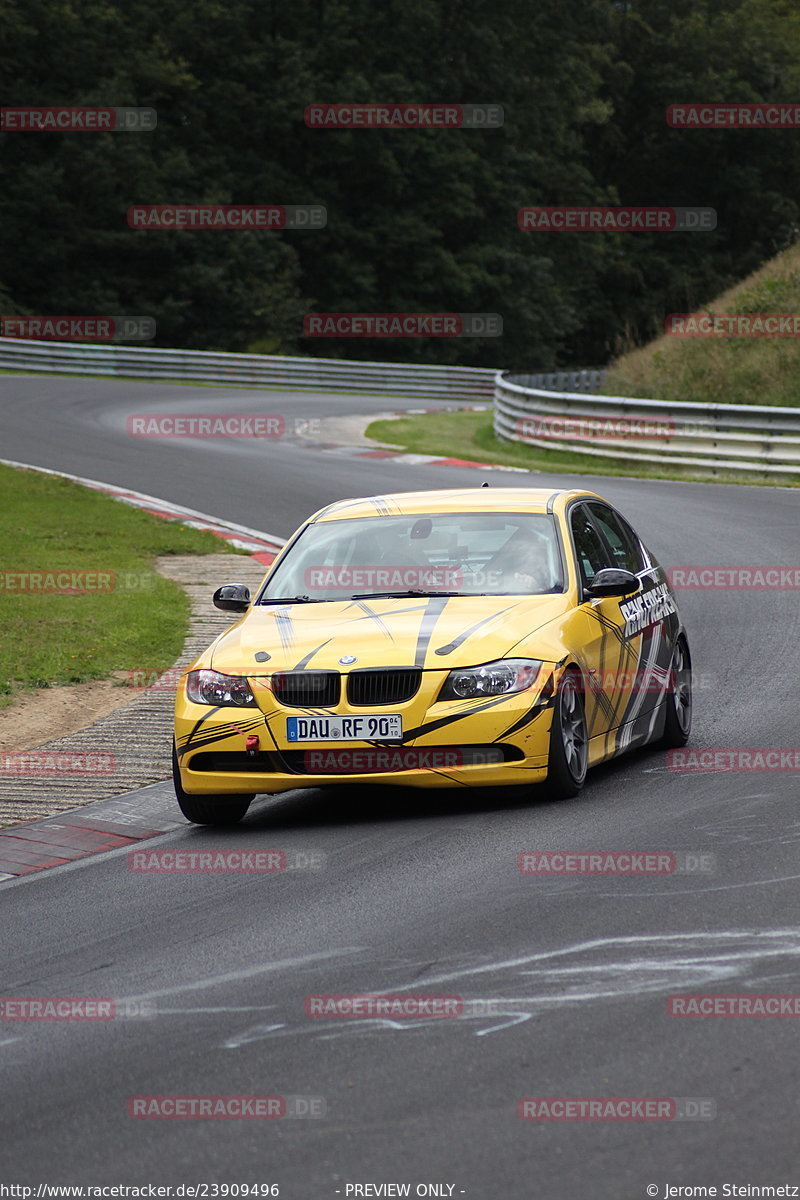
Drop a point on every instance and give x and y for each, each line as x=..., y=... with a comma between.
x=208, y=810
x=678, y=700
x=568, y=759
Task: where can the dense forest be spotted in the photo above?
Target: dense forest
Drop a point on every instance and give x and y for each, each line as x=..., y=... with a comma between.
x=417, y=220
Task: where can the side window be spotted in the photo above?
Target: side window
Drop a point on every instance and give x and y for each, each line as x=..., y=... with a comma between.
x=592, y=554
x=619, y=536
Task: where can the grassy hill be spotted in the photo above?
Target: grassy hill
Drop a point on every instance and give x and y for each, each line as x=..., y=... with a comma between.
x=730, y=370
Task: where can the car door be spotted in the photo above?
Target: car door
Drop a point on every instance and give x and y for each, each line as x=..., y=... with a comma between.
x=598, y=642
x=648, y=622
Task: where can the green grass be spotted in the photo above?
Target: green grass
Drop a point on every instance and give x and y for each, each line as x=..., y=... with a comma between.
x=762, y=370
x=50, y=524
x=468, y=434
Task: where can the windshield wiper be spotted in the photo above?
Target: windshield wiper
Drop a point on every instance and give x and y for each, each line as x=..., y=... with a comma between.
x=407, y=592
x=290, y=600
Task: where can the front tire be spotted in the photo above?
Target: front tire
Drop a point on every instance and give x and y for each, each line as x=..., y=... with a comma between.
x=678, y=717
x=568, y=759
x=208, y=810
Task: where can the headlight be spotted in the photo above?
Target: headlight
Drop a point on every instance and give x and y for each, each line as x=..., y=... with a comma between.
x=210, y=687
x=492, y=679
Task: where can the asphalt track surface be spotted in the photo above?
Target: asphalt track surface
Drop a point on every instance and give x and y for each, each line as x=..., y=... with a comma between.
x=420, y=893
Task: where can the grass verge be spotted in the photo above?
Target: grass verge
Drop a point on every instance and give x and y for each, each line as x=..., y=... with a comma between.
x=470, y=434
x=133, y=618
x=724, y=370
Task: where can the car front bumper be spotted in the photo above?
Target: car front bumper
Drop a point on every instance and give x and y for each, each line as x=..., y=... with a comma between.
x=482, y=742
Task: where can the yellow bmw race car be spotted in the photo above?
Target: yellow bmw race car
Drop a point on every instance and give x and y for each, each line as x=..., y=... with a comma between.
x=464, y=638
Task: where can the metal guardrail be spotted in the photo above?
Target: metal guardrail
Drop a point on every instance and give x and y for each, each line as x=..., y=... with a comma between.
x=562, y=381
x=261, y=370
x=708, y=438
x=535, y=408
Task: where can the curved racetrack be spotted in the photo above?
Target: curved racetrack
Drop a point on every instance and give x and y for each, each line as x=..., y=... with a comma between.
x=421, y=893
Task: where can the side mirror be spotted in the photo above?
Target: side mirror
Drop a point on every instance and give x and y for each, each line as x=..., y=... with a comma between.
x=612, y=581
x=232, y=597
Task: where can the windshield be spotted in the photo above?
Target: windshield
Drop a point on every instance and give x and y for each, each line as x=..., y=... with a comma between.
x=464, y=554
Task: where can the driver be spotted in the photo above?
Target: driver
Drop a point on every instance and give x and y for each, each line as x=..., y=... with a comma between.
x=522, y=564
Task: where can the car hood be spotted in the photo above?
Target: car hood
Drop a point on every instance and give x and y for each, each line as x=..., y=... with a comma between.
x=428, y=632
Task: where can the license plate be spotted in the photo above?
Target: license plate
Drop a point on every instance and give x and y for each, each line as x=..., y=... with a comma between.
x=376, y=727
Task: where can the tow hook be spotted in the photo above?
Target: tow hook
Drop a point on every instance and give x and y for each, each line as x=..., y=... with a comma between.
x=252, y=745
